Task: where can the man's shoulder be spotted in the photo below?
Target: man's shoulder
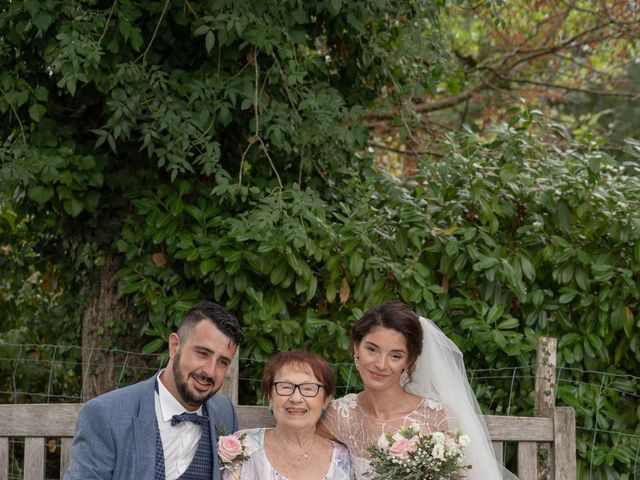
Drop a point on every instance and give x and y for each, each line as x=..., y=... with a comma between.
x=220, y=402
x=121, y=397
x=223, y=413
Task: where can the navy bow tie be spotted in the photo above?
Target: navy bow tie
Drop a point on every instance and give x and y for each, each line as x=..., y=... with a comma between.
x=189, y=417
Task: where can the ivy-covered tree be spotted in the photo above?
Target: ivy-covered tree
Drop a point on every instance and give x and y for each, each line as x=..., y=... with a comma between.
x=138, y=136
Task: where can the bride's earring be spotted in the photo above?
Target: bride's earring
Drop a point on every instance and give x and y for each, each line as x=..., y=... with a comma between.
x=404, y=378
x=355, y=360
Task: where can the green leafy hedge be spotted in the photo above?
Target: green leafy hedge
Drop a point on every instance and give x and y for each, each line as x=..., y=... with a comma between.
x=500, y=242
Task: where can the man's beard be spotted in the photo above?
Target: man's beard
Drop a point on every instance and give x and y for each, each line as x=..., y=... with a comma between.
x=189, y=395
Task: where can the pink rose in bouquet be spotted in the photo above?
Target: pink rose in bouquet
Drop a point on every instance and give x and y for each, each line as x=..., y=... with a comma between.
x=402, y=447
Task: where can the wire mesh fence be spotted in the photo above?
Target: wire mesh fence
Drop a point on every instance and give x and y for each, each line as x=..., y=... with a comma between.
x=603, y=401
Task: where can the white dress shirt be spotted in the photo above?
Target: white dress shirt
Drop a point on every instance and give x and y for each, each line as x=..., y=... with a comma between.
x=179, y=442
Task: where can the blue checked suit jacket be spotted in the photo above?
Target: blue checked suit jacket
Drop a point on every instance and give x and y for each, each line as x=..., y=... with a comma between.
x=115, y=436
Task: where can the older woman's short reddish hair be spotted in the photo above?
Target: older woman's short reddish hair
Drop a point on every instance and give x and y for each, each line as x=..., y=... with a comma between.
x=302, y=359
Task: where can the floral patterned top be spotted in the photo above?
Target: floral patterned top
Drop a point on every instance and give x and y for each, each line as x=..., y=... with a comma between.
x=350, y=425
x=257, y=467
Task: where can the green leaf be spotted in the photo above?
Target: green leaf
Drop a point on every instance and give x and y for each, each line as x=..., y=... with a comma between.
x=265, y=344
x=629, y=322
x=208, y=265
x=73, y=207
x=495, y=312
x=509, y=324
x=32, y=6
x=36, y=111
x=42, y=20
x=125, y=28
x=537, y=298
x=41, y=94
x=470, y=323
x=312, y=288
x=41, y=194
x=355, y=264
x=485, y=263
x=136, y=39
x=400, y=243
x=201, y=30
x=618, y=317
x=636, y=252
x=210, y=41
x=331, y=292
x=567, y=297
x=563, y=216
x=499, y=338
x=154, y=345
x=452, y=248
x=569, y=339
x=527, y=268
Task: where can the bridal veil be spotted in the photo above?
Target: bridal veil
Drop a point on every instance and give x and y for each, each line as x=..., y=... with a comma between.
x=440, y=373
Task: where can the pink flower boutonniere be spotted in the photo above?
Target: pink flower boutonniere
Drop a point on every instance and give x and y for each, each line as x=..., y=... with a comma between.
x=231, y=451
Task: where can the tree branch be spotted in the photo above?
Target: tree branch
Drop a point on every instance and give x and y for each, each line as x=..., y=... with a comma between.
x=15, y=112
x=155, y=32
x=631, y=95
x=433, y=153
x=106, y=24
x=426, y=107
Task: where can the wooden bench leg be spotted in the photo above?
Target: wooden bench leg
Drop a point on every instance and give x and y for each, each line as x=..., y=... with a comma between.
x=34, y=457
x=527, y=461
x=564, y=448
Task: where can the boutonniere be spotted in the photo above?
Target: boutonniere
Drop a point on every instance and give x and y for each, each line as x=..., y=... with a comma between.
x=231, y=451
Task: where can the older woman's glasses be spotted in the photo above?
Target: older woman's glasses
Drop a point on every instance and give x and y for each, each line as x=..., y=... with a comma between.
x=306, y=389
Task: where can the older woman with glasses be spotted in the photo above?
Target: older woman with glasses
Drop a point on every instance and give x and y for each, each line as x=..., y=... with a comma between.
x=299, y=385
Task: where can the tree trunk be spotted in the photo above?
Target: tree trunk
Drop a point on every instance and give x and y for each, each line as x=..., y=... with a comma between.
x=108, y=323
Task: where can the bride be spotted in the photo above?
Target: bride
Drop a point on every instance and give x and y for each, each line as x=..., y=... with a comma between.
x=411, y=373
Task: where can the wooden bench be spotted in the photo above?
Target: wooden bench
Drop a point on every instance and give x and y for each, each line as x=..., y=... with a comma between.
x=36, y=423
x=553, y=427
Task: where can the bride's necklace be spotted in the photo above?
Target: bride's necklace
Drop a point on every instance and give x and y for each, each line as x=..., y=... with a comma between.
x=305, y=452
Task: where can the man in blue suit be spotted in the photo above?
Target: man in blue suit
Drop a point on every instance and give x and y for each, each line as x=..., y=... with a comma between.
x=164, y=428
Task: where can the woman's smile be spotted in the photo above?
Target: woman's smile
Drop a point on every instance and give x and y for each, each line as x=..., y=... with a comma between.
x=377, y=376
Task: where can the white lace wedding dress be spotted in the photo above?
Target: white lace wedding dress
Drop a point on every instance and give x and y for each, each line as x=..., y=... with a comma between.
x=348, y=423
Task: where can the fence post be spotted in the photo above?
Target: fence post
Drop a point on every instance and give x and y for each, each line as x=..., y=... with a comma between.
x=230, y=386
x=545, y=377
x=545, y=397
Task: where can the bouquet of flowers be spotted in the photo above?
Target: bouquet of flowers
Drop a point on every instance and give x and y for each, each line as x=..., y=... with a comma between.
x=411, y=456
x=231, y=453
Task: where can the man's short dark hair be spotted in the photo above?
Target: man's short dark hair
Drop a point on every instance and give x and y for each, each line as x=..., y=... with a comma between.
x=222, y=318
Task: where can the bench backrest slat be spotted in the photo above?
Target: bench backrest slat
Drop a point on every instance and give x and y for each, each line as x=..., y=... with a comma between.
x=519, y=429
x=58, y=420
x=65, y=449
x=564, y=447
x=527, y=461
x=38, y=419
x=498, y=448
x=4, y=458
x=34, y=451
